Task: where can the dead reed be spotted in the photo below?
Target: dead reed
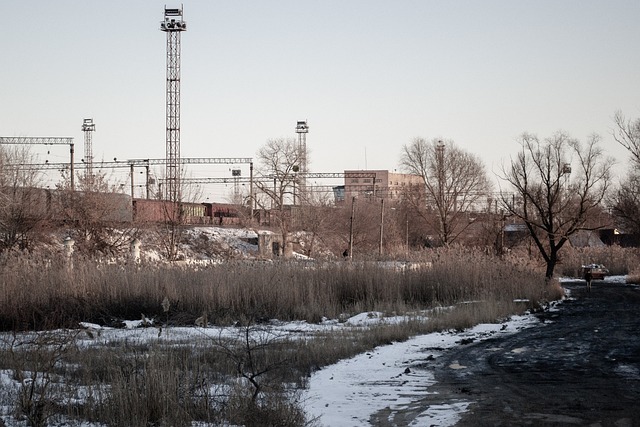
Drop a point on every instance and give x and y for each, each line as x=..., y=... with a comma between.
x=618, y=260
x=38, y=293
x=34, y=294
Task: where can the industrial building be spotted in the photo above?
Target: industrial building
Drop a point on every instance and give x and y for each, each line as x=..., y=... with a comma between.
x=380, y=184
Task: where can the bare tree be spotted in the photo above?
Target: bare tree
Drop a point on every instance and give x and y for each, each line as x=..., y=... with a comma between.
x=556, y=187
x=627, y=134
x=317, y=219
x=625, y=201
x=23, y=206
x=454, y=182
x=278, y=163
x=93, y=210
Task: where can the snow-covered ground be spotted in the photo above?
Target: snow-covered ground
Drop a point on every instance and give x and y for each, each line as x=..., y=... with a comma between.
x=346, y=393
x=350, y=391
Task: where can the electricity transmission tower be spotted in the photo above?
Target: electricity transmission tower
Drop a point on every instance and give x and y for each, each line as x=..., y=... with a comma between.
x=88, y=127
x=302, y=129
x=173, y=25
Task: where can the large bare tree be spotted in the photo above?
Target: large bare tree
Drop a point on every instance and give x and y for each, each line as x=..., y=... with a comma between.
x=278, y=163
x=556, y=186
x=455, y=181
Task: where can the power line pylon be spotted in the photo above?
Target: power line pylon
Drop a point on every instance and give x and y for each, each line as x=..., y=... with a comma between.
x=302, y=129
x=173, y=25
x=88, y=127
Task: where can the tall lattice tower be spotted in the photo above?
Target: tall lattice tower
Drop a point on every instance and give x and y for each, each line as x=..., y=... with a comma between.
x=88, y=127
x=173, y=25
x=302, y=129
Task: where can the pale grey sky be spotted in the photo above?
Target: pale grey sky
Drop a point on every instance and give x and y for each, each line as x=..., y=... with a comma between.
x=368, y=76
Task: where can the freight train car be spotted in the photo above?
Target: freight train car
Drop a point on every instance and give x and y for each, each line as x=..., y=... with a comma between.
x=157, y=211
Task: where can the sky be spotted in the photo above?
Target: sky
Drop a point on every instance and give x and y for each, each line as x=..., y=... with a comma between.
x=368, y=76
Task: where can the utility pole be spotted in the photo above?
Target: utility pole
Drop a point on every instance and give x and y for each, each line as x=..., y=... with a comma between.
x=353, y=212
x=147, y=180
x=132, y=174
x=251, y=197
x=381, y=225
x=406, y=218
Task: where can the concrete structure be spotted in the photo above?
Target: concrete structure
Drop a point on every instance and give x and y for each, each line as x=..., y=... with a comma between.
x=135, y=250
x=270, y=244
x=68, y=251
x=386, y=185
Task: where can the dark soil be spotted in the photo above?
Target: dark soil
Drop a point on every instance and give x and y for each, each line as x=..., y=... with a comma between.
x=581, y=366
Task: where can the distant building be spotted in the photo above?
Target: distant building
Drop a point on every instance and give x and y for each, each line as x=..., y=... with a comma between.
x=378, y=184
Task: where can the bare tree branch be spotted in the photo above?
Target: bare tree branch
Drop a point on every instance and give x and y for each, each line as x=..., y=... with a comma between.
x=627, y=134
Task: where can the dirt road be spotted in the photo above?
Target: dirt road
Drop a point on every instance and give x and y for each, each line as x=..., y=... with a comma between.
x=581, y=366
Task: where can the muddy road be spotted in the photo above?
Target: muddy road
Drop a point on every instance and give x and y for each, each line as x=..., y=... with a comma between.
x=581, y=366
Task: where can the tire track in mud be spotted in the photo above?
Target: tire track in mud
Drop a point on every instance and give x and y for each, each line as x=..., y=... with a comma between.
x=580, y=366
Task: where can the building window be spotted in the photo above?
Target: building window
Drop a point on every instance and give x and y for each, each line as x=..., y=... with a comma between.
x=355, y=180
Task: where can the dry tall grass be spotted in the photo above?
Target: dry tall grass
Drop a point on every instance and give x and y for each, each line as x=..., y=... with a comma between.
x=618, y=260
x=35, y=294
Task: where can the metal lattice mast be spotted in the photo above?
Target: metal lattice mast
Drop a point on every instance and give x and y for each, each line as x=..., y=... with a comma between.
x=173, y=25
x=88, y=127
x=302, y=129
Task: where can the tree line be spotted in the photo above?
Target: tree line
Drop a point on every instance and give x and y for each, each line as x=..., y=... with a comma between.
x=555, y=186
